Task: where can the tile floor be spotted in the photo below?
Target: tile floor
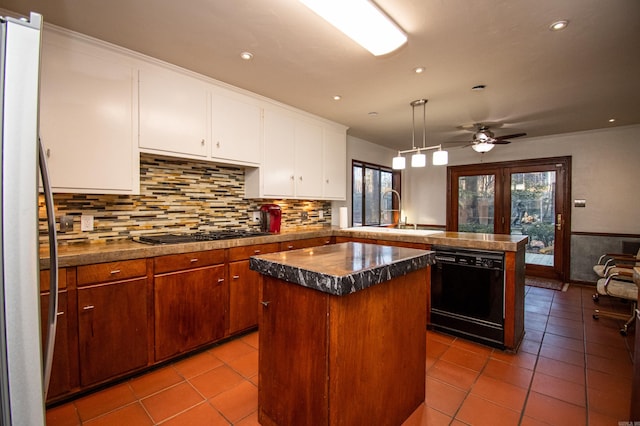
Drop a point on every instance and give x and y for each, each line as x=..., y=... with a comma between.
x=570, y=370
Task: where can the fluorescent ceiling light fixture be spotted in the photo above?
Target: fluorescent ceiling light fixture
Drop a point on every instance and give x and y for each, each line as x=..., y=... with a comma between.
x=361, y=21
x=482, y=147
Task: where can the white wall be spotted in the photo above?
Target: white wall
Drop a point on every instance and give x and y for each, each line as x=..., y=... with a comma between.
x=605, y=172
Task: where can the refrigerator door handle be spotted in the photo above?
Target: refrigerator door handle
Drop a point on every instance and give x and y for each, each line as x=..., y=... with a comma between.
x=53, y=268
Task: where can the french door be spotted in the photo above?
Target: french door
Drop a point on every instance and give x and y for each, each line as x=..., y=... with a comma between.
x=528, y=197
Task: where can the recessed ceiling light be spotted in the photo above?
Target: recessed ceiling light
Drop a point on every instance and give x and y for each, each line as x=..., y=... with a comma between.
x=559, y=25
x=478, y=87
x=419, y=70
x=337, y=97
x=373, y=114
x=612, y=120
x=247, y=56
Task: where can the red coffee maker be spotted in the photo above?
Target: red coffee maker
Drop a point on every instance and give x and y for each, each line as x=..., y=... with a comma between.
x=270, y=217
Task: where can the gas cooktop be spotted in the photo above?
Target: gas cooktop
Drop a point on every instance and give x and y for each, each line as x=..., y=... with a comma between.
x=201, y=236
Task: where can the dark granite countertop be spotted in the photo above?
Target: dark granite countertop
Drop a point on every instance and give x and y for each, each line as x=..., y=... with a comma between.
x=344, y=268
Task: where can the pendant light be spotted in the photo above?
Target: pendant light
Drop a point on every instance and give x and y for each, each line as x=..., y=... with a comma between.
x=419, y=159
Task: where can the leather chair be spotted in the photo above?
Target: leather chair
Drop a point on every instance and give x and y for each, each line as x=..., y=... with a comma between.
x=614, y=285
x=609, y=262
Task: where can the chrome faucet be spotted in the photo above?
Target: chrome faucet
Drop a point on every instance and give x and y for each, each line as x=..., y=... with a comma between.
x=399, y=210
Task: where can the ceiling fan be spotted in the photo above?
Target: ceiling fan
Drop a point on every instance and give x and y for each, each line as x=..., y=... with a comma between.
x=484, y=139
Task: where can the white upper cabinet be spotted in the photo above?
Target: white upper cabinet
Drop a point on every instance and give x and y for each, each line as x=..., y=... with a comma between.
x=303, y=158
x=236, y=128
x=335, y=165
x=88, y=117
x=174, y=113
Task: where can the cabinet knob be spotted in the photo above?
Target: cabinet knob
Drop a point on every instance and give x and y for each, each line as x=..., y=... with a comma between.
x=220, y=280
x=218, y=144
x=235, y=277
x=257, y=251
x=48, y=152
x=194, y=260
x=115, y=271
x=290, y=247
x=327, y=180
x=202, y=142
x=300, y=178
x=292, y=177
x=88, y=307
x=265, y=303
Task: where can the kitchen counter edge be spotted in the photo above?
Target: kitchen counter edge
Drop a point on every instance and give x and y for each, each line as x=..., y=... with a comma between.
x=99, y=252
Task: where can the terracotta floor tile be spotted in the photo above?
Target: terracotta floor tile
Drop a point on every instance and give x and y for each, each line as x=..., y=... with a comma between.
x=561, y=354
x=512, y=374
x=200, y=415
x=618, y=367
x=529, y=346
x=472, y=347
x=440, y=337
x=250, y=420
x=529, y=421
x=520, y=359
x=238, y=402
x=63, y=415
x=606, y=351
x=499, y=392
x=480, y=412
x=436, y=348
x=562, y=370
x=427, y=416
x=554, y=411
x=443, y=397
x=575, y=333
x=247, y=365
x=232, y=350
x=609, y=403
x=93, y=405
x=252, y=339
x=155, y=381
x=453, y=374
x=132, y=414
x=534, y=335
x=171, y=401
x=600, y=419
x=563, y=342
x=465, y=358
x=216, y=381
x=197, y=364
x=535, y=324
x=615, y=385
x=559, y=389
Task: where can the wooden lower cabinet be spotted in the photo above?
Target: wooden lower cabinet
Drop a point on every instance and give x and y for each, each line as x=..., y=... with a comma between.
x=112, y=329
x=305, y=243
x=244, y=286
x=190, y=309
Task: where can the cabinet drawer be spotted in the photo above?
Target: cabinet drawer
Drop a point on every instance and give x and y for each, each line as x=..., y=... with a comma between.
x=112, y=271
x=242, y=253
x=308, y=242
x=45, y=276
x=177, y=262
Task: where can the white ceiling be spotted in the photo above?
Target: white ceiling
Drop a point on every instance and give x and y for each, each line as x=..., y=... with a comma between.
x=537, y=81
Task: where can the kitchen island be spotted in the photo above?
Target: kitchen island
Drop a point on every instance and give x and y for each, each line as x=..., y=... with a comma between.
x=342, y=334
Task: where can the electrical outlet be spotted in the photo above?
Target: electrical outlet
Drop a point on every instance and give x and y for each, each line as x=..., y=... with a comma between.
x=255, y=217
x=86, y=222
x=66, y=223
x=321, y=214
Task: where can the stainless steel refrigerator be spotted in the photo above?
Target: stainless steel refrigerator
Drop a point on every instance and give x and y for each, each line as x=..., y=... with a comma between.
x=23, y=380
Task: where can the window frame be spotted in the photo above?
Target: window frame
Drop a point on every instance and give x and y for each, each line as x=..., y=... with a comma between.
x=395, y=185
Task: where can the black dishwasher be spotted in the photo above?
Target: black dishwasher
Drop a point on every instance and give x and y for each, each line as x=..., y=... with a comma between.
x=467, y=294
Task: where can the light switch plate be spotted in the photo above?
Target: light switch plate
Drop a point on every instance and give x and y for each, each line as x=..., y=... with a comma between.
x=579, y=203
x=255, y=217
x=66, y=223
x=86, y=222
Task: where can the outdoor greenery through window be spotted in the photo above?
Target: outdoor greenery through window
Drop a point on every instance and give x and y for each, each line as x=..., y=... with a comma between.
x=373, y=201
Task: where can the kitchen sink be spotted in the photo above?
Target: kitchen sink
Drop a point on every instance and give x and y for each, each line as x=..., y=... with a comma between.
x=200, y=236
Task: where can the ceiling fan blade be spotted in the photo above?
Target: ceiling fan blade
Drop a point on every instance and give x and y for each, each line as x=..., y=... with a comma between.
x=500, y=142
x=515, y=135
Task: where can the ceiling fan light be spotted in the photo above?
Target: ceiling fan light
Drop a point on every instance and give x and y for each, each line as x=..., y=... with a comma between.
x=482, y=147
x=398, y=163
x=440, y=158
x=418, y=160
x=362, y=21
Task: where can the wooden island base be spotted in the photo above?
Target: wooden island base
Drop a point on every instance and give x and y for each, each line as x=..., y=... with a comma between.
x=357, y=359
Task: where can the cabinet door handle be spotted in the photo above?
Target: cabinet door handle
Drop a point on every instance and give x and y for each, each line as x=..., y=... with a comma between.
x=220, y=280
x=202, y=142
x=292, y=177
x=193, y=260
x=60, y=313
x=218, y=144
x=48, y=152
x=115, y=271
x=290, y=247
x=88, y=307
x=265, y=303
x=300, y=178
x=257, y=251
x=235, y=277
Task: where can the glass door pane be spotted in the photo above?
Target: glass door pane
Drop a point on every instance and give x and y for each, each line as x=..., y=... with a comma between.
x=476, y=203
x=533, y=213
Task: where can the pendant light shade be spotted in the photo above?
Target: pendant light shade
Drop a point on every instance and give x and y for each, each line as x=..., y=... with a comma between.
x=399, y=163
x=440, y=158
x=418, y=160
x=482, y=147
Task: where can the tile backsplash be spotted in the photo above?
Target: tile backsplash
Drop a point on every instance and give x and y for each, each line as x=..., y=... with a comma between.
x=175, y=196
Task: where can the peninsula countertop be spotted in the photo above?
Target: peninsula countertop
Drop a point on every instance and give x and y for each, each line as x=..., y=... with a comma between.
x=344, y=268
x=98, y=252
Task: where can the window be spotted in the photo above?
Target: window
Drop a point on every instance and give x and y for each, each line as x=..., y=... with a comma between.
x=373, y=203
